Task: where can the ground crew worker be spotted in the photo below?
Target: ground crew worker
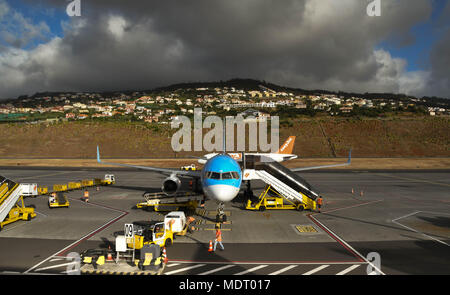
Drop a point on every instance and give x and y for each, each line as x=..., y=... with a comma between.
x=218, y=238
x=189, y=221
x=86, y=196
x=319, y=203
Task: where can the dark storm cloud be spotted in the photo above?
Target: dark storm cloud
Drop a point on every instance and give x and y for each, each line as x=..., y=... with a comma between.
x=440, y=64
x=324, y=44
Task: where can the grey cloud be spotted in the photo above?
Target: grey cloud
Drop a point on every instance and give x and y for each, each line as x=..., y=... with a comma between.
x=310, y=44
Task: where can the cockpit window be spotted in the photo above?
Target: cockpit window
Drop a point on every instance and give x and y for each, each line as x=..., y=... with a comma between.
x=227, y=175
x=224, y=175
x=214, y=175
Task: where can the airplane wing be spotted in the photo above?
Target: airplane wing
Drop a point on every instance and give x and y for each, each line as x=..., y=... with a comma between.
x=325, y=166
x=195, y=173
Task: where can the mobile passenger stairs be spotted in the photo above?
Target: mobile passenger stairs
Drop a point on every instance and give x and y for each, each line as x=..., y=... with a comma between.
x=12, y=207
x=284, y=188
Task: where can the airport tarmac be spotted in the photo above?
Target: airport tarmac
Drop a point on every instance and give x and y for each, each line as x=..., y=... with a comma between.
x=403, y=216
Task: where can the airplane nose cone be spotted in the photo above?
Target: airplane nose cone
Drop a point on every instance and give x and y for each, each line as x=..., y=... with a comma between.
x=220, y=192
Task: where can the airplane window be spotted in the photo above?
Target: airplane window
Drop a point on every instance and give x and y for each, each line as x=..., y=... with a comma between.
x=227, y=175
x=214, y=175
x=235, y=175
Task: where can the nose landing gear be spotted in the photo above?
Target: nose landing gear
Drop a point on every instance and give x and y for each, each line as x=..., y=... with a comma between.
x=221, y=217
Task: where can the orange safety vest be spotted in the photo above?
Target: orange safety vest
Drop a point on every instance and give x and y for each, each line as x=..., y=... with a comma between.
x=219, y=235
x=319, y=201
x=86, y=194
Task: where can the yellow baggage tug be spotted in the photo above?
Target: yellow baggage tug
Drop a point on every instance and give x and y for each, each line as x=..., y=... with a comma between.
x=58, y=200
x=146, y=234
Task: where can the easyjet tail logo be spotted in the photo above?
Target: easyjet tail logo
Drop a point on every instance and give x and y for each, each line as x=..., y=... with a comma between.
x=288, y=146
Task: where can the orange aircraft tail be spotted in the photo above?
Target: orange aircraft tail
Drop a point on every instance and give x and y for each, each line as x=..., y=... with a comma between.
x=288, y=146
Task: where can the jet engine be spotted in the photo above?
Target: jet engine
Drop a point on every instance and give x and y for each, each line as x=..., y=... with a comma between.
x=171, y=185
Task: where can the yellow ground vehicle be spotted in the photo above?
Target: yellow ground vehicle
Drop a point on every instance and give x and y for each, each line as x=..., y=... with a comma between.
x=58, y=200
x=42, y=190
x=189, y=167
x=271, y=199
x=182, y=201
x=87, y=182
x=146, y=234
x=165, y=207
x=108, y=180
x=19, y=212
x=59, y=187
x=74, y=185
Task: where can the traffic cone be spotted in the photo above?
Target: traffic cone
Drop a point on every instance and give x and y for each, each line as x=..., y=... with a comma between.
x=361, y=193
x=210, y=246
x=164, y=254
x=109, y=257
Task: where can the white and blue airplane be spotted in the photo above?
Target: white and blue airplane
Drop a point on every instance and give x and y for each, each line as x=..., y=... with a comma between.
x=220, y=178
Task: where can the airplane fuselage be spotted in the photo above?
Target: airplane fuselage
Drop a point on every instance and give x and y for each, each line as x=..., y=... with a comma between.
x=221, y=178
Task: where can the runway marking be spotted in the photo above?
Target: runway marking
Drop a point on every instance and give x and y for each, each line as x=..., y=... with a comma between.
x=353, y=206
x=56, y=266
x=172, y=264
x=317, y=269
x=216, y=269
x=415, y=180
x=184, y=269
x=416, y=231
x=343, y=243
x=283, y=270
x=89, y=235
x=250, y=270
x=272, y=263
x=347, y=270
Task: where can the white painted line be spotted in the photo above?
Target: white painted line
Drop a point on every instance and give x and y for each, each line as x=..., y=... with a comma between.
x=353, y=206
x=56, y=266
x=269, y=263
x=69, y=271
x=57, y=259
x=404, y=216
x=216, y=269
x=283, y=270
x=172, y=264
x=347, y=245
x=184, y=269
x=416, y=231
x=76, y=242
x=317, y=269
x=348, y=269
x=250, y=270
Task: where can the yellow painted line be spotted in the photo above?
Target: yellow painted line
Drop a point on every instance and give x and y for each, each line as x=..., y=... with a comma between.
x=415, y=180
x=212, y=222
x=222, y=229
x=306, y=228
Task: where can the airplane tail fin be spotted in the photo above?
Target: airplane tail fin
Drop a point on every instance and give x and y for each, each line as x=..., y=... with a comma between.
x=288, y=146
